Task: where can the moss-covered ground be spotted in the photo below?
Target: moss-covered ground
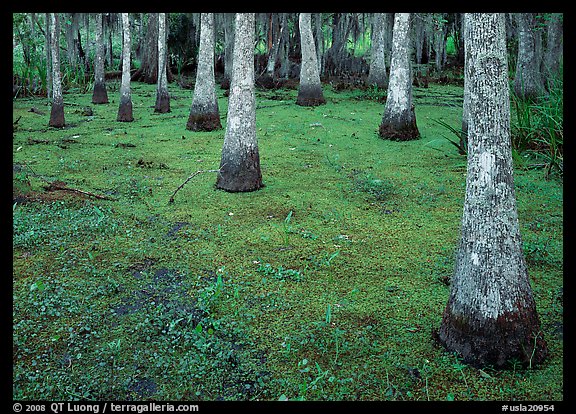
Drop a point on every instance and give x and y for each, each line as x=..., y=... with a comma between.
x=324, y=285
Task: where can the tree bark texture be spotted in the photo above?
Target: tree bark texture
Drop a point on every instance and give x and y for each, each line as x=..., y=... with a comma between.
x=399, y=119
x=528, y=83
x=125, y=108
x=554, y=46
x=310, y=89
x=99, y=95
x=57, y=110
x=491, y=315
x=162, y=96
x=240, y=162
x=377, y=75
x=228, y=49
x=466, y=97
x=49, y=70
x=204, y=113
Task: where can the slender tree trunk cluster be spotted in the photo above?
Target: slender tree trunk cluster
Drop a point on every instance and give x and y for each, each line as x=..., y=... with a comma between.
x=204, y=113
x=240, y=162
x=491, y=315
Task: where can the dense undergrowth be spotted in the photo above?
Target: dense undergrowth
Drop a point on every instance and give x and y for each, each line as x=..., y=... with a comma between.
x=324, y=285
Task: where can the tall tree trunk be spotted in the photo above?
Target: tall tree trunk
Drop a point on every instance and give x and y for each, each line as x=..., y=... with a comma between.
x=162, y=96
x=204, y=114
x=148, y=71
x=319, y=38
x=554, y=46
x=491, y=315
x=528, y=82
x=99, y=95
x=466, y=100
x=125, y=108
x=48, y=37
x=276, y=35
x=284, y=69
x=240, y=162
x=419, y=29
x=229, y=33
x=310, y=89
x=57, y=109
x=440, y=31
x=399, y=119
x=377, y=75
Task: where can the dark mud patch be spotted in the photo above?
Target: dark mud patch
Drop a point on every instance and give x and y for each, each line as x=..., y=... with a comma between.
x=175, y=228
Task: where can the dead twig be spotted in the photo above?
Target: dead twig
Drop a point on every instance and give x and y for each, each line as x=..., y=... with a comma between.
x=189, y=178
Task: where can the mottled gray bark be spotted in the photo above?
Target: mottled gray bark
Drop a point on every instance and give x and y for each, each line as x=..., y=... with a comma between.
x=99, y=94
x=377, y=75
x=528, y=83
x=419, y=26
x=491, y=315
x=148, y=71
x=440, y=31
x=310, y=88
x=162, y=96
x=466, y=100
x=273, y=52
x=228, y=49
x=125, y=107
x=204, y=114
x=319, y=39
x=240, y=162
x=399, y=118
x=284, y=69
x=554, y=45
x=57, y=109
x=48, y=38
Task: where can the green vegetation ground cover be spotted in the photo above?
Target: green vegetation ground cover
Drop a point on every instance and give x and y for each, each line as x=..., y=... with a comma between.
x=324, y=285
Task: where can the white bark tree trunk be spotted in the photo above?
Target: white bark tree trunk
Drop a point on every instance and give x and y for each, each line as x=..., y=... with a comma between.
x=57, y=109
x=204, y=113
x=310, y=89
x=228, y=48
x=528, y=82
x=162, y=95
x=240, y=162
x=554, y=46
x=99, y=95
x=399, y=119
x=377, y=75
x=491, y=315
x=125, y=107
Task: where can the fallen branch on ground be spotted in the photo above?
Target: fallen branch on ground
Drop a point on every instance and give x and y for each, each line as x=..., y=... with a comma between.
x=189, y=178
x=61, y=185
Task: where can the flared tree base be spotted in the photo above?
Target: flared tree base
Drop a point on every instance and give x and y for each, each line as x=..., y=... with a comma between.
x=203, y=122
x=162, y=103
x=99, y=95
x=310, y=96
x=497, y=342
x=125, y=112
x=243, y=176
x=57, y=115
x=399, y=133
